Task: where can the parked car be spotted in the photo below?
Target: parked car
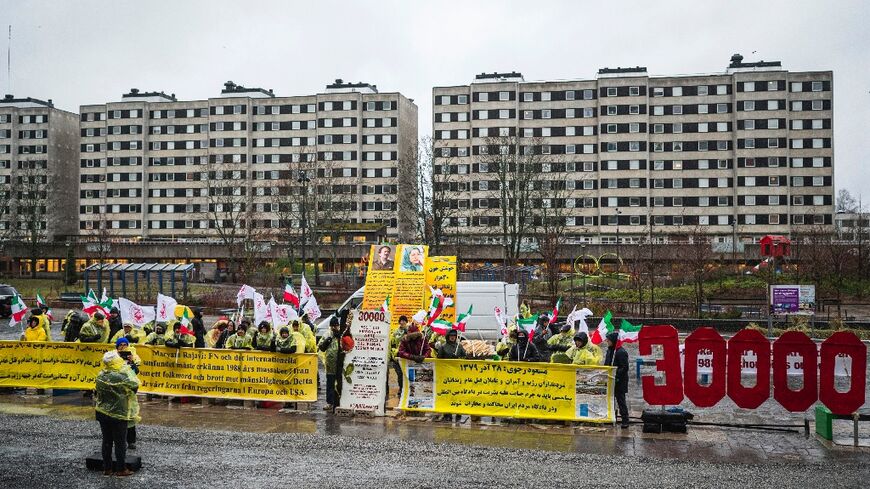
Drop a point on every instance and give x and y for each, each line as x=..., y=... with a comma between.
x=7, y=292
x=483, y=295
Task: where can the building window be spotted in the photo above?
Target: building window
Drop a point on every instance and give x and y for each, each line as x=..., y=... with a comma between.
x=611, y=91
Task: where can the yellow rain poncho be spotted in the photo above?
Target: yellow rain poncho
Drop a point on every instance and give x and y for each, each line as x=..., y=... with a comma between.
x=136, y=336
x=115, y=389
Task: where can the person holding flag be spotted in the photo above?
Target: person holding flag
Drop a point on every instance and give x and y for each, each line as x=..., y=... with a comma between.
x=414, y=346
x=181, y=336
x=34, y=331
x=561, y=342
x=95, y=330
x=44, y=322
x=523, y=350
x=583, y=352
x=618, y=357
x=451, y=348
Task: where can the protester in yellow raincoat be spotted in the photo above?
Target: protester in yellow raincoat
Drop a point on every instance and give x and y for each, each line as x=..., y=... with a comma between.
x=310, y=339
x=116, y=406
x=284, y=342
x=158, y=336
x=583, y=352
x=34, y=331
x=298, y=336
x=95, y=330
x=133, y=335
x=240, y=340
x=44, y=322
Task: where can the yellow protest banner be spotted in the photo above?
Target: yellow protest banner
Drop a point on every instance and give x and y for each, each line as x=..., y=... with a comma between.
x=234, y=374
x=50, y=365
x=509, y=389
x=228, y=374
x=410, y=282
x=441, y=274
x=380, y=276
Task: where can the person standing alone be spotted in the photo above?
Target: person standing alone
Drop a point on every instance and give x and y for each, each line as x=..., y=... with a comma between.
x=618, y=357
x=116, y=406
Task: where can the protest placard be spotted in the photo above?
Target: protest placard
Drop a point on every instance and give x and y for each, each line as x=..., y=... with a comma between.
x=509, y=389
x=365, y=366
x=229, y=374
x=441, y=275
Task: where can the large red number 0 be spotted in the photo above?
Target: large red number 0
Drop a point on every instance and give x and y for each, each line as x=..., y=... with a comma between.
x=705, y=339
x=672, y=391
x=800, y=343
x=847, y=343
x=746, y=340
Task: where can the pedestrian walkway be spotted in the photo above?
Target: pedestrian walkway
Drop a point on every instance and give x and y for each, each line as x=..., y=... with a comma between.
x=702, y=443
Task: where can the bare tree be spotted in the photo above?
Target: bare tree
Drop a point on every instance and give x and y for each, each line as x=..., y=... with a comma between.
x=550, y=212
x=516, y=163
x=846, y=202
x=633, y=257
x=228, y=212
x=319, y=203
x=32, y=208
x=697, y=261
x=437, y=182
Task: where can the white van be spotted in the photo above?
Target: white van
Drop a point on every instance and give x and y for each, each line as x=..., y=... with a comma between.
x=484, y=296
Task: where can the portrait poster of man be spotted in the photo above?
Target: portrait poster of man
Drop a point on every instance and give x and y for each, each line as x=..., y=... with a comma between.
x=384, y=258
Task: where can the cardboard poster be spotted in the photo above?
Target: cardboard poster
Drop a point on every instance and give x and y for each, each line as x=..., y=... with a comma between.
x=441, y=275
x=410, y=282
x=365, y=366
x=380, y=277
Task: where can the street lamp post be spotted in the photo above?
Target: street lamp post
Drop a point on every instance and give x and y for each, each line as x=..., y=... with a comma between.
x=734, y=243
x=618, y=243
x=303, y=180
x=583, y=254
x=652, y=273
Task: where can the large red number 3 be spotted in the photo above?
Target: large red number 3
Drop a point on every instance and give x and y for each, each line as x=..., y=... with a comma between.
x=672, y=390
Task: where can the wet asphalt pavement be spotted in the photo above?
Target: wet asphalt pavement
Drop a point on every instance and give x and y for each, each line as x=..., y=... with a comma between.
x=44, y=440
x=44, y=445
x=49, y=452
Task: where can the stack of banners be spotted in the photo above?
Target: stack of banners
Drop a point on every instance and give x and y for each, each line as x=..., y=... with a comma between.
x=380, y=276
x=227, y=374
x=365, y=366
x=509, y=389
x=441, y=276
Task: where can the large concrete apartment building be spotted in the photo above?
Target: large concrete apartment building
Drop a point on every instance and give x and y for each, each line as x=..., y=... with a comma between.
x=742, y=153
x=152, y=166
x=38, y=170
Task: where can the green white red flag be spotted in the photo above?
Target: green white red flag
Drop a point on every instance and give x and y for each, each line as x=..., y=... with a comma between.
x=628, y=333
x=439, y=302
x=555, y=313
x=92, y=304
x=19, y=309
x=528, y=324
x=441, y=326
x=40, y=301
x=604, y=327
x=462, y=320
x=290, y=295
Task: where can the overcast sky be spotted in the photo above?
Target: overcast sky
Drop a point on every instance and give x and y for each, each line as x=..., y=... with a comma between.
x=81, y=52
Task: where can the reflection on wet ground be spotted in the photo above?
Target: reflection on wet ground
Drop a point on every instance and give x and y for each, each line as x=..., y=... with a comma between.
x=701, y=443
